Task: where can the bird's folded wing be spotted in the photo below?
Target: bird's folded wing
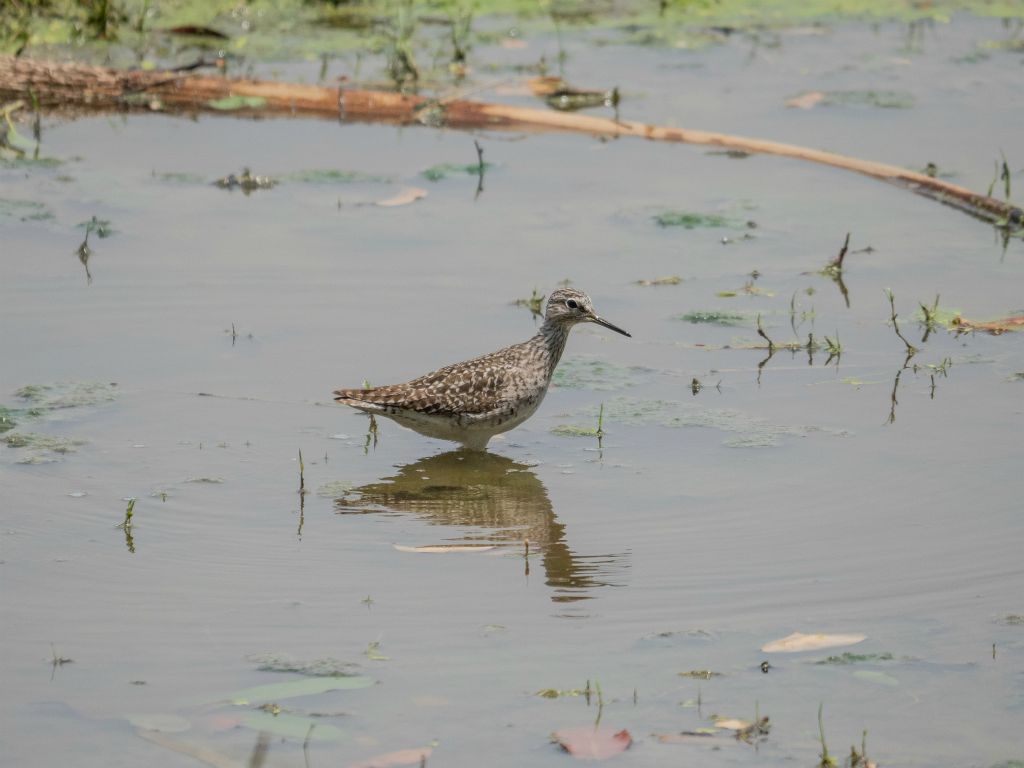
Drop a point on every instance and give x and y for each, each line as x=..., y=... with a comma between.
x=475, y=387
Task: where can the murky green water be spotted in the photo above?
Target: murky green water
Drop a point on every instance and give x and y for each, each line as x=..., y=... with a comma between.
x=860, y=496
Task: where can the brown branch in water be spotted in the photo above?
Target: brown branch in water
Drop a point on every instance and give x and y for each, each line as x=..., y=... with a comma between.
x=69, y=86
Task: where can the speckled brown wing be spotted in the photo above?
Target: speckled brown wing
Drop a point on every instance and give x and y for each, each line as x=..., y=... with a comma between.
x=476, y=386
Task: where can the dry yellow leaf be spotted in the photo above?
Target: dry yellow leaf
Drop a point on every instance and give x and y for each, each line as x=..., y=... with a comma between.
x=438, y=548
x=806, y=100
x=798, y=641
x=405, y=196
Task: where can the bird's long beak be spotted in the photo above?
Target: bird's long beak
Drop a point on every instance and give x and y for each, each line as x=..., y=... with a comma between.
x=609, y=326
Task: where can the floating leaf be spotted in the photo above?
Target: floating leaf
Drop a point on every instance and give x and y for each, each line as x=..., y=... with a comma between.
x=405, y=196
x=309, y=686
x=414, y=756
x=732, y=723
x=798, y=641
x=229, y=103
x=292, y=726
x=442, y=548
x=593, y=742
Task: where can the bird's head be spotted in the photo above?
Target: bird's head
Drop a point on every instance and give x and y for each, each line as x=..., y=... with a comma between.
x=569, y=306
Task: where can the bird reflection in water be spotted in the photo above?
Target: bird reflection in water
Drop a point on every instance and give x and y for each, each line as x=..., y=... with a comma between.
x=501, y=497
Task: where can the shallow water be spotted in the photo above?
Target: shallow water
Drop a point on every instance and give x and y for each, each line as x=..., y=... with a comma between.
x=790, y=497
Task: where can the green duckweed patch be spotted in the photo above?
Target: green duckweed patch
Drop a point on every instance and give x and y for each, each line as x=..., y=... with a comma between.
x=25, y=210
x=42, y=446
x=283, y=662
x=597, y=374
x=715, y=317
x=691, y=220
x=7, y=421
x=51, y=397
x=334, y=176
x=855, y=658
x=744, y=430
x=179, y=177
x=573, y=430
x=444, y=170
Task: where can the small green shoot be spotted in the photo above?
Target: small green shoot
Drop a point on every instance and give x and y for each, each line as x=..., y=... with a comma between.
x=834, y=348
x=371, y=434
x=834, y=270
x=860, y=759
x=826, y=761
x=911, y=349
x=1002, y=173
x=534, y=303
x=763, y=335
x=758, y=730
x=128, y=514
x=302, y=476
x=373, y=653
x=126, y=526
x=930, y=315
x=398, y=43
x=57, y=661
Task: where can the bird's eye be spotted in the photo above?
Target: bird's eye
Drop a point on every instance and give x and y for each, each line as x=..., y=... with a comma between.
x=571, y=304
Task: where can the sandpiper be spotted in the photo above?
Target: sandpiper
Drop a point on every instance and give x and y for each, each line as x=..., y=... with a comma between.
x=472, y=401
